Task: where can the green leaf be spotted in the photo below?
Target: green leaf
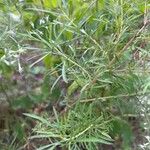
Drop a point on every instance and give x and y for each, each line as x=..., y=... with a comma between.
x=48, y=135
x=123, y=129
x=49, y=147
x=2, y=53
x=41, y=119
x=64, y=72
x=48, y=61
x=94, y=140
x=51, y=61
x=50, y=4
x=74, y=86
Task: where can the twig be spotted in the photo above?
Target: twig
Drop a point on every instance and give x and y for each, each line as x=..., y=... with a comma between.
x=145, y=24
x=114, y=97
x=129, y=43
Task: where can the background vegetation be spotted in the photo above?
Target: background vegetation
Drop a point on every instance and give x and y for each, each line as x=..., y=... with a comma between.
x=74, y=74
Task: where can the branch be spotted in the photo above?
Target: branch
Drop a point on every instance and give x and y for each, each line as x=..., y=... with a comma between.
x=114, y=97
x=129, y=43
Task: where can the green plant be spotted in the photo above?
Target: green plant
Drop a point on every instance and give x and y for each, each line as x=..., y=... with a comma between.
x=98, y=45
x=95, y=55
x=81, y=127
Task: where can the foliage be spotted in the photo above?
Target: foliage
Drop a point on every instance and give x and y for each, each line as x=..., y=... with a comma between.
x=94, y=58
x=80, y=128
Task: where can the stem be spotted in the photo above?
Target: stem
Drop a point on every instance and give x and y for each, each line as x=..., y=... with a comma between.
x=82, y=132
x=115, y=97
x=128, y=44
